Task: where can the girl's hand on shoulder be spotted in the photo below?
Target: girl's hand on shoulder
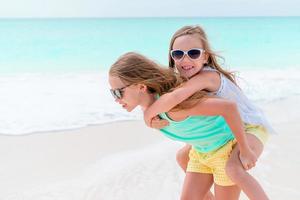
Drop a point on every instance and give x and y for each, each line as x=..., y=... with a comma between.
x=248, y=159
x=154, y=122
x=147, y=118
x=158, y=123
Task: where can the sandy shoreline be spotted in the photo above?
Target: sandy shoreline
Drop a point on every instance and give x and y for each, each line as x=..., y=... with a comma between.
x=96, y=160
x=54, y=156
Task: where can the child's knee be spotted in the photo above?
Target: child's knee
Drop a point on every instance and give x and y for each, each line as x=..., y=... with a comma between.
x=235, y=171
x=182, y=156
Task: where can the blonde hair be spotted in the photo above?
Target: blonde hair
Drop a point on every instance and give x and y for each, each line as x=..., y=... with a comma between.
x=134, y=68
x=197, y=31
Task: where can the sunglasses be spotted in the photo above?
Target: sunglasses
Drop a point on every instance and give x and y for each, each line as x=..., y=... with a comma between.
x=118, y=93
x=178, y=54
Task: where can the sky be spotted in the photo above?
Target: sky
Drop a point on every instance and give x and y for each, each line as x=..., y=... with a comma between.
x=146, y=8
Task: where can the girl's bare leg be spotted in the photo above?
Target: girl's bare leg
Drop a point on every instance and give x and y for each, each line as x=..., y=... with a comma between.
x=240, y=176
x=227, y=192
x=196, y=186
x=182, y=158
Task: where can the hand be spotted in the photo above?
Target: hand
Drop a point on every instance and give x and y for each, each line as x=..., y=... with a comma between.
x=148, y=118
x=248, y=159
x=158, y=123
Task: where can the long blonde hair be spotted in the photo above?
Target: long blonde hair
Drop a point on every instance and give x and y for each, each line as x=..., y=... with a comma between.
x=134, y=68
x=197, y=31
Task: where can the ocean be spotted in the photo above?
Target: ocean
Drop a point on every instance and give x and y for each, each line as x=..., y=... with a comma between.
x=53, y=72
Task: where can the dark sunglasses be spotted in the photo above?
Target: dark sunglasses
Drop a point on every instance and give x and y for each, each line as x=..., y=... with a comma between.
x=118, y=93
x=178, y=54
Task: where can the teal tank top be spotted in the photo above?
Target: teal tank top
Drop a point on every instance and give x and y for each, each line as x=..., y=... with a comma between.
x=204, y=133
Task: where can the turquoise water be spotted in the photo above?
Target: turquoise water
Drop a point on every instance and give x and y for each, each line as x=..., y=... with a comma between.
x=53, y=72
x=39, y=45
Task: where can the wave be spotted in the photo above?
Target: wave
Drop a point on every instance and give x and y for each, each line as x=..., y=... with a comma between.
x=39, y=102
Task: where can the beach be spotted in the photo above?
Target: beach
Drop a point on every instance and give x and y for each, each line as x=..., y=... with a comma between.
x=127, y=160
x=62, y=136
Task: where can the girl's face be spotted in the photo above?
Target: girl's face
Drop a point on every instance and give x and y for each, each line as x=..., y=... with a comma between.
x=126, y=95
x=187, y=66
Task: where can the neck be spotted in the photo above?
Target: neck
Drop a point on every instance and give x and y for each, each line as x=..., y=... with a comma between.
x=148, y=101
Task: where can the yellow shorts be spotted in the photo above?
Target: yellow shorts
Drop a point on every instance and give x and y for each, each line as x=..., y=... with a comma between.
x=214, y=162
x=257, y=130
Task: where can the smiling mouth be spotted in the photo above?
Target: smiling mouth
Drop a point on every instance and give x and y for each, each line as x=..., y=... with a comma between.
x=187, y=67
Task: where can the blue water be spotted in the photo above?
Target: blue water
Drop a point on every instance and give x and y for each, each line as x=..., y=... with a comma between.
x=53, y=72
x=39, y=45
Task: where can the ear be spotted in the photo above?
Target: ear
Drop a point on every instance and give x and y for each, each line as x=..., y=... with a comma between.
x=142, y=87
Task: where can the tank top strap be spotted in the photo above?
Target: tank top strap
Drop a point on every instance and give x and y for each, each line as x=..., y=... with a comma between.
x=222, y=79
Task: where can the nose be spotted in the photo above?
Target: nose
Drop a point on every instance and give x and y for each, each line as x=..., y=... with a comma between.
x=118, y=101
x=185, y=59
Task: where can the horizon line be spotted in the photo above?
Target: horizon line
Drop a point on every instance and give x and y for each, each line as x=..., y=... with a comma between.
x=147, y=17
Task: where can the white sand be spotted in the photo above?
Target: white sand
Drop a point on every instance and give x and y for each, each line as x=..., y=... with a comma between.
x=126, y=160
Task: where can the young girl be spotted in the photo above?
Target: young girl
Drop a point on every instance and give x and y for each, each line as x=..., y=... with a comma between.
x=211, y=125
x=191, y=55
